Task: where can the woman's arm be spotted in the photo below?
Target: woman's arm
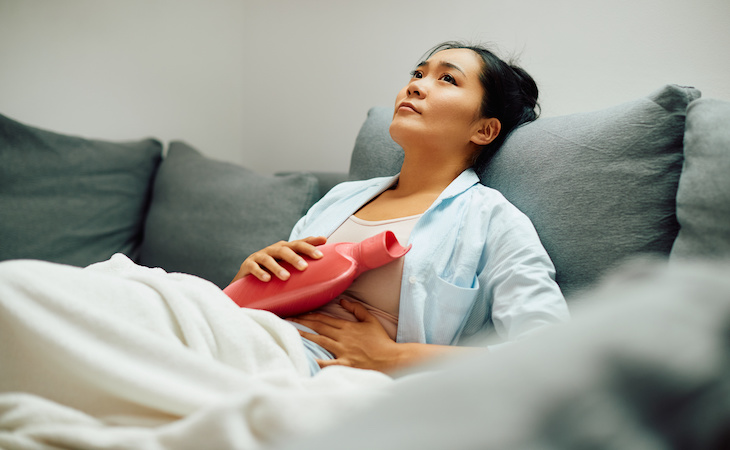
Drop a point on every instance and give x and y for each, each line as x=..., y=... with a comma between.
x=365, y=344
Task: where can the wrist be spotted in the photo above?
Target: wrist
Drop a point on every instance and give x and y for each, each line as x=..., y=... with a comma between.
x=410, y=354
x=404, y=355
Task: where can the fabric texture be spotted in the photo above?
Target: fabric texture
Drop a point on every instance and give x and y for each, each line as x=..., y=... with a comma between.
x=643, y=365
x=207, y=216
x=476, y=265
x=703, y=197
x=599, y=186
x=122, y=356
x=70, y=199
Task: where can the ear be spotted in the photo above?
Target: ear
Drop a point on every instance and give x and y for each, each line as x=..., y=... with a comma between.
x=486, y=131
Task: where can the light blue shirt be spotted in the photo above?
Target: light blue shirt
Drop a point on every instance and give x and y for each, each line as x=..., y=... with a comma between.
x=476, y=265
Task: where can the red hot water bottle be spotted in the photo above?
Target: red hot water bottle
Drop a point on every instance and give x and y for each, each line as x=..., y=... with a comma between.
x=323, y=280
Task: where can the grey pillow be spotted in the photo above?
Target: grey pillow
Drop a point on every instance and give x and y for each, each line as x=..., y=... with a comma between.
x=207, y=216
x=375, y=153
x=599, y=186
x=703, y=197
x=69, y=199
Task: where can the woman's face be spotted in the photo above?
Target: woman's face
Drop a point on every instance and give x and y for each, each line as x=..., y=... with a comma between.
x=441, y=103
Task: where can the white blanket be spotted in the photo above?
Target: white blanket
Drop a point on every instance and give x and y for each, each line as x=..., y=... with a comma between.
x=122, y=356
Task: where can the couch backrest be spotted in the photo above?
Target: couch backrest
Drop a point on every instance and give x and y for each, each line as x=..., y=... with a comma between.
x=207, y=216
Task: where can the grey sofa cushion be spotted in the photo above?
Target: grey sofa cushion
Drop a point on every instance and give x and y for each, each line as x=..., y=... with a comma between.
x=703, y=197
x=599, y=186
x=375, y=153
x=207, y=216
x=69, y=199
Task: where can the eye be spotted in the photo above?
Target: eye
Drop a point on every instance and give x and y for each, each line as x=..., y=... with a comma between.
x=448, y=78
x=416, y=74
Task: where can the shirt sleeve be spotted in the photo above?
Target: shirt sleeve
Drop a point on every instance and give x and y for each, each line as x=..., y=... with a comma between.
x=322, y=215
x=519, y=276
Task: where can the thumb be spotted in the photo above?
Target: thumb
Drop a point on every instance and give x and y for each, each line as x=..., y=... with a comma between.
x=361, y=313
x=315, y=240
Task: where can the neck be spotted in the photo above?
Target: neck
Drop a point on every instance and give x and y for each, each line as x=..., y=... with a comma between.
x=421, y=175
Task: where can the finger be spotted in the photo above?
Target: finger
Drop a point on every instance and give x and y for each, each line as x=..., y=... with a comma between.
x=250, y=267
x=333, y=322
x=291, y=254
x=260, y=273
x=329, y=362
x=261, y=260
x=308, y=247
x=323, y=341
x=315, y=240
x=359, y=311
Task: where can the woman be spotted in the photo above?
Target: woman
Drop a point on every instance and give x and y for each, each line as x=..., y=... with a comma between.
x=476, y=265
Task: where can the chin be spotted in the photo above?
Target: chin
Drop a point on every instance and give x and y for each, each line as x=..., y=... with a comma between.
x=403, y=131
x=396, y=132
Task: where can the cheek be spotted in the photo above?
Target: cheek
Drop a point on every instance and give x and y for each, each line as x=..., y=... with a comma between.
x=460, y=109
x=466, y=106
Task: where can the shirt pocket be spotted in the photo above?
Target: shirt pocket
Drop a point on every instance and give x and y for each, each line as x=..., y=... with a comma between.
x=446, y=309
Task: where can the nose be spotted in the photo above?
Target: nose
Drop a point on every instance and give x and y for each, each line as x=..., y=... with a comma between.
x=416, y=88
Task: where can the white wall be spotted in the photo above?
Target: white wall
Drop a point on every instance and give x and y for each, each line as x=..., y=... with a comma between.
x=285, y=84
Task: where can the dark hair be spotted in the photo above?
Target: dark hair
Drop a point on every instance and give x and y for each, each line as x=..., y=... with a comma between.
x=510, y=95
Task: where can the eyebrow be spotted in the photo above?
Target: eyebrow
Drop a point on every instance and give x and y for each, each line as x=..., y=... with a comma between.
x=442, y=64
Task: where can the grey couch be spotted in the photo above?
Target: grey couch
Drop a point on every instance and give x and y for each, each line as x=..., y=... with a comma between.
x=600, y=187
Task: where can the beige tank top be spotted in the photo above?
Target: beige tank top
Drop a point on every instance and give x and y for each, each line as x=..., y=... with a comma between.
x=377, y=289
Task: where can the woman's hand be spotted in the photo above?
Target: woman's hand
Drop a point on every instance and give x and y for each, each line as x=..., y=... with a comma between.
x=363, y=344
x=265, y=262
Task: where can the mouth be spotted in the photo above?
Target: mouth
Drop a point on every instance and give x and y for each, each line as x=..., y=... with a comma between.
x=408, y=106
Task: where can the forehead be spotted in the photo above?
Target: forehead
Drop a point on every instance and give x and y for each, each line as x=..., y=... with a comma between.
x=466, y=59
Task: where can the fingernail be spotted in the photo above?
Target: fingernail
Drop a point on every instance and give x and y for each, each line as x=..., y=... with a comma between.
x=317, y=254
x=283, y=274
x=265, y=277
x=302, y=264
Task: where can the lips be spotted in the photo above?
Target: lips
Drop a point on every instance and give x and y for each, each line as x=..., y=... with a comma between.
x=408, y=106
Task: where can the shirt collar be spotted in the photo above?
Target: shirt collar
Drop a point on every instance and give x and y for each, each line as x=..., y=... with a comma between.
x=461, y=183
x=464, y=181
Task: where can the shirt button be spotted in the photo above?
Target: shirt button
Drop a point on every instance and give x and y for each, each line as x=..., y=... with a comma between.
x=412, y=280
